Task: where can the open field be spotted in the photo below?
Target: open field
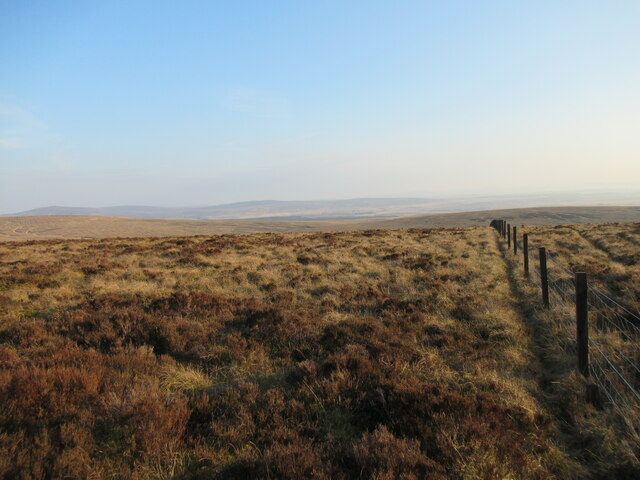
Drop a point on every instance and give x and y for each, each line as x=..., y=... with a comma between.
x=72, y=226
x=373, y=354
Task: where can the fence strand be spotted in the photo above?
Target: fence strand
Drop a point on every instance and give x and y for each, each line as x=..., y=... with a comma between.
x=614, y=339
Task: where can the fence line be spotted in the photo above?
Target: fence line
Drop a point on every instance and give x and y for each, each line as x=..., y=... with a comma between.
x=611, y=335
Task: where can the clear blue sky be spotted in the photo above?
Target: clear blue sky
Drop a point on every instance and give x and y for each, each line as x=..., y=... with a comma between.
x=192, y=103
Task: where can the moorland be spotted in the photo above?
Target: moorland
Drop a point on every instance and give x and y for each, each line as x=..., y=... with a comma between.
x=83, y=226
x=383, y=354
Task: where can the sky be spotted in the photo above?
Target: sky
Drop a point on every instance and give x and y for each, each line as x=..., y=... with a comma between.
x=201, y=103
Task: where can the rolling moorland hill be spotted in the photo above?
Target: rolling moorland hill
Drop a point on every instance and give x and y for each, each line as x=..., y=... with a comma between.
x=76, y=226
x=374, y=354
x=349, y=209
x=268, y=209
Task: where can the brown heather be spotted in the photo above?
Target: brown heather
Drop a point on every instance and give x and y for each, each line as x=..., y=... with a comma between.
x=377, y=354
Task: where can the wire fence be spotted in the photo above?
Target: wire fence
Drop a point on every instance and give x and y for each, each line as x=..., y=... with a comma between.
x=613, y=330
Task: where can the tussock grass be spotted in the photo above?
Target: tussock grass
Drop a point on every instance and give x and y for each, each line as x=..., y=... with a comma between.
x=184, y=378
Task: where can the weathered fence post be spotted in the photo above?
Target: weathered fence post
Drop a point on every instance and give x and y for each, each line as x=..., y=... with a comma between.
x=502, y=228
x=509, y=236
x=544, y=281
x=582, y=323
x=515, y=240
x=525, y=250
x=582, y=336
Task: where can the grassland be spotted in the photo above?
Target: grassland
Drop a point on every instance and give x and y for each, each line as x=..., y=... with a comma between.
x=610, y=256
x=373, y=354
x=77, y=226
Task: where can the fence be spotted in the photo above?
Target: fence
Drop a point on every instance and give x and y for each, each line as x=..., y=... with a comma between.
x=604, y=335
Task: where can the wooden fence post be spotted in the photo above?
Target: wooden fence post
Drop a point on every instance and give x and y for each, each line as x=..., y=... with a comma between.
x=582, y=323
x=508, y=236
x=515, y=240
x=544, y=281
x=525, y=250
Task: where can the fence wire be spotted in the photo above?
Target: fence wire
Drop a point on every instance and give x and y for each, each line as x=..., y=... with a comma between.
x=614, y=335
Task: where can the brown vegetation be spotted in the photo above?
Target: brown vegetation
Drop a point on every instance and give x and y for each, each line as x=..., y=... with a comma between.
x=374, y=354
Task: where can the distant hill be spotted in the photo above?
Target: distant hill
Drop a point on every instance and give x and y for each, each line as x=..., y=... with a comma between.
x=78, y=226
x=272, y=209
x=350, y=209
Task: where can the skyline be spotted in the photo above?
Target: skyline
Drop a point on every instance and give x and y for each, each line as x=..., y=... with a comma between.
x=350, y=207
x=158, y=104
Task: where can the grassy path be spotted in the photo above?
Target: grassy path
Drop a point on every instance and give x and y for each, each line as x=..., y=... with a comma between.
x=598, y=245
x=607, y=254
x=550, y=364
x=621, y=247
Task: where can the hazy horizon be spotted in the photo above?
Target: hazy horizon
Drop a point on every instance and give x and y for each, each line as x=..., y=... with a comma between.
x=170, y=104
x=354, y=208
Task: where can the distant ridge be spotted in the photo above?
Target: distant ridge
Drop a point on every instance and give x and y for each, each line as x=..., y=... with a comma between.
x=349, y=209
x=267, y=209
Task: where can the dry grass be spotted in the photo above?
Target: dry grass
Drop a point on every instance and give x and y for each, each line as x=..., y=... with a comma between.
x=374, y=354
x=610, y=255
